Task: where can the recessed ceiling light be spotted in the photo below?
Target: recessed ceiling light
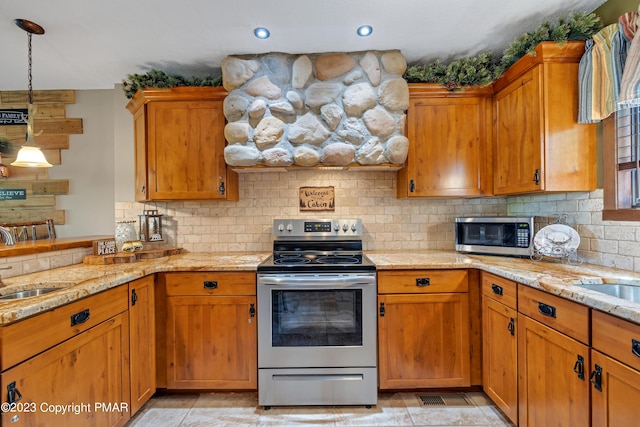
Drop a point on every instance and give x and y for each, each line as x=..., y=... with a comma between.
x=261, y=33
x=364, y=30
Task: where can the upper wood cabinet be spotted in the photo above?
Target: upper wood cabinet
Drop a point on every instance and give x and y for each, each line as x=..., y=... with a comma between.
x=449, y=143
x=538, y=143
x=179, y=145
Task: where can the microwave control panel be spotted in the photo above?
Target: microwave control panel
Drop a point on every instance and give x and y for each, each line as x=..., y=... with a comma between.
x=523, y=235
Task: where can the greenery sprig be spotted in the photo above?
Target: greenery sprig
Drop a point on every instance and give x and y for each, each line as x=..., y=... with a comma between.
x=481, y=70
x=7, y=147
x=160, y=79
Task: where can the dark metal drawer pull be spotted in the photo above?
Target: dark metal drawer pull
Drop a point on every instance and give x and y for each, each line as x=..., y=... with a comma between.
x=423, y=281
x=547, y=310
x=512, y=326
x=635, y=347
x=80, y=317
x=382, y=310
x=13, y=394
x=210, y=284
x=496, y=289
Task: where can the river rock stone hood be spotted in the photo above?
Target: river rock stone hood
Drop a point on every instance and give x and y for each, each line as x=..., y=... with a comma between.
x=331, y=109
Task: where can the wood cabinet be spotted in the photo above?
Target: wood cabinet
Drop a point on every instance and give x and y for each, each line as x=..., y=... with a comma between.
x=615, y=371
x=211, y=331
x=538, y=144
x=449, y=143
x=500, y=349
x=142, y=347
x=423, y=329
x=553, y=387
x=86, y=374
x=179, y=145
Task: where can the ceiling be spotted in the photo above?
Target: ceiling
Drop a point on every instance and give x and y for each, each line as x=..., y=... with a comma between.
x=95, y=44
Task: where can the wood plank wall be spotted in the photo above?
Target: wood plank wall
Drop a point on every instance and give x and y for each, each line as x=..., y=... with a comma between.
x=40, y=203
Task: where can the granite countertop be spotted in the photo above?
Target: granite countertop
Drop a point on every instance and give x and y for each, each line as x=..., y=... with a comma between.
x=82, y=280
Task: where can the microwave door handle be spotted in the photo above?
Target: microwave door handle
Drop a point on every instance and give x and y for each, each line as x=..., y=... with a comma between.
x=332, y=281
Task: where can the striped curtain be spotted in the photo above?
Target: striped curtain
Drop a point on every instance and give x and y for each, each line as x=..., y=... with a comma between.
x=630, y=84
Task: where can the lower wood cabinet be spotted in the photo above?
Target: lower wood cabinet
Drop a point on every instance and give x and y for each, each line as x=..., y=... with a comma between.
x=87, y=376
x=499, y=347
x=553, y=377
x=142, y=341
x=423, y=329
x=615, y=371
x=211, y=331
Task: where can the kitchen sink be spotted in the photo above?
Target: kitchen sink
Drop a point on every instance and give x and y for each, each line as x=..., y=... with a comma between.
x=623, y=291
x=28, y=293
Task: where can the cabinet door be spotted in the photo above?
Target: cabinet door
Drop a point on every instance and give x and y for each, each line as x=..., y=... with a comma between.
x=519, y=136
x=87, y=374
x=615, y=393
x=212, y=343
x=424, y=341
x=448, y=150
x=185, y=157
x=551, y=392
x=142, y=341
x=500, y=356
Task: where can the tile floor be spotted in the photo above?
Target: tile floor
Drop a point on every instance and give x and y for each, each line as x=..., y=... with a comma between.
x=241, y=409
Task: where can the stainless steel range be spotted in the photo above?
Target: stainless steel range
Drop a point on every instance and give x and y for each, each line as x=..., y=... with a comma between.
x=317, y=316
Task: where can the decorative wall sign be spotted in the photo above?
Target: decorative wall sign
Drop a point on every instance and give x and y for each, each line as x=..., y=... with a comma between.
x=104, y=247
x=317, y=199
x=14, y=116
x=13, y=194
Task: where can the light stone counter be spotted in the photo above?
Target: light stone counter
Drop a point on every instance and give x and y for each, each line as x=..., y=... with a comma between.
x=554, y=277
x=82, y=280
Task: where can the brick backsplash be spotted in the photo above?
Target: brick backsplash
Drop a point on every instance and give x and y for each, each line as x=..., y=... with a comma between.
x=607, y=243
x=245, y=225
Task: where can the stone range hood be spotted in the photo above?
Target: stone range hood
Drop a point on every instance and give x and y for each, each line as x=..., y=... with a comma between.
x=337, y=110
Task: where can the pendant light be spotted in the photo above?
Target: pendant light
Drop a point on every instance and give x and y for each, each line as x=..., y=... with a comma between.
x=30, y=154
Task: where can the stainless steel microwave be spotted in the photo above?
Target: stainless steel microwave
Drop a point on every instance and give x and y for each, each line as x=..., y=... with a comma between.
x=495, y=235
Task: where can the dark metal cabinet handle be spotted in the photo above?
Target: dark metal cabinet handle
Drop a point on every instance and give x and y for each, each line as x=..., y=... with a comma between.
x=210, y=284
x=536, y=177
x=578, y=368
x=423, y=281
x=512, y=326
x=382, y=310
x=496, y=289
x=635, y=347
x=596, y=378
x=80, y=317
x=252, y=310
x=13, y=394
x=412, y=186
x=221, y=189
x=134, y=297
x=547, y=310
x=143, y=189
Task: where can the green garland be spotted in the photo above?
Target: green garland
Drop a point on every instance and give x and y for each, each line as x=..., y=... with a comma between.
x=160, y=79
x=7, y=147
x=482, y=71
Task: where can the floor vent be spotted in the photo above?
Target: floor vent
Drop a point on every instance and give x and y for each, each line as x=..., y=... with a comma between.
x=445, y=400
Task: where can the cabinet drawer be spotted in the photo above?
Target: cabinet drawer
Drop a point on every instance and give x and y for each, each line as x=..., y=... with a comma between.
x=422, y=281
x=211, y=283
x=26, y=338
x=499, y=289
x=618, y=338
x=560, y=314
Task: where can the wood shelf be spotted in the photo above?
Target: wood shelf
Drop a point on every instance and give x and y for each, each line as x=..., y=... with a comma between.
x=48, y=245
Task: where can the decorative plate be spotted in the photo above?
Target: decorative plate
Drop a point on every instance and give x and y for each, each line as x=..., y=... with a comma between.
x=556, y=240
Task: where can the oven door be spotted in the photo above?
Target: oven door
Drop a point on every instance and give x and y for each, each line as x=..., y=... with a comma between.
x=316, y=320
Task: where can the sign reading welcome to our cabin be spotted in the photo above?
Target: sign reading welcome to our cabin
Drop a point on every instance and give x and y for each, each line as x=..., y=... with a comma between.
x=14, y=116
x=317, y=199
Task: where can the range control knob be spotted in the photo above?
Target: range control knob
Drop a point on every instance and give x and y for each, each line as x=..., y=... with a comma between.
x=280, y=227
x=345, y=227
x=336, y=227
x=289, y=227
x=353, y=228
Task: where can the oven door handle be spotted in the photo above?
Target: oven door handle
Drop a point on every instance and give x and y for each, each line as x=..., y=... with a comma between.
x=333, y=281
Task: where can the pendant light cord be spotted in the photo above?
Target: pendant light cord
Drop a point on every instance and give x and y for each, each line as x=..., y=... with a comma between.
x=29, y=76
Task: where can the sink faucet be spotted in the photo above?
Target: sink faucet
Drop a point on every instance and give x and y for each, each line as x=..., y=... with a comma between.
x=8, y=238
